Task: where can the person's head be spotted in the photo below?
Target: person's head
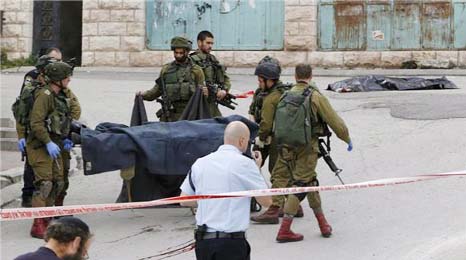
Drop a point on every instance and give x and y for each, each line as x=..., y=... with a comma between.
x=303, y=72
x=69, y=238
x=205, y=41
x=237, y=134
x=268, y=74
x=180, y=47
x=54, y=53
x=58, y=73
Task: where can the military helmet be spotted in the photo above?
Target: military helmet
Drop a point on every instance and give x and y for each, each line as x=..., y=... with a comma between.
x=57, y=71
x=43, y=61
x=268, y=59
x=268, y=70
x=181, y=42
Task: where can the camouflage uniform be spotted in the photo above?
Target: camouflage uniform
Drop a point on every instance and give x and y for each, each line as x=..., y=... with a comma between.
x=181, y=80
x=49, y=180
x=297, y=165
x=75, y=111
x=264, y=103
x=214, y=73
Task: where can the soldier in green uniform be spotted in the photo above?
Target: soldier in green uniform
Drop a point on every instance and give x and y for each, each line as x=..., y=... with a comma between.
x=265, y=102
x=297, y=164
x=75, y=113
x=215, y=73
x=177, y=82
x=33, y=81
x=50, y=120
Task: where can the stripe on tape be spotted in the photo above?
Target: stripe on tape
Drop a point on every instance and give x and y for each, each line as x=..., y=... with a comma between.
x=30, y=213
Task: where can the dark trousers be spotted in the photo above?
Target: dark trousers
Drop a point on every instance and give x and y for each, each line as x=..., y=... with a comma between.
x=28, y=179
x=223, y=249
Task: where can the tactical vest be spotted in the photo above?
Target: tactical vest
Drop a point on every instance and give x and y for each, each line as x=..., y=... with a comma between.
x=179, y=82
x=59, y=121
x=262, y=94
x=214, y=72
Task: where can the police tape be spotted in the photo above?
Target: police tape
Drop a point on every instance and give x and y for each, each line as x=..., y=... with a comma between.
x=44, y=212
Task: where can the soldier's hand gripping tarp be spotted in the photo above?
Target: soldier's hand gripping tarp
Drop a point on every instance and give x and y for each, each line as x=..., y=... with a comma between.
x=382, y=83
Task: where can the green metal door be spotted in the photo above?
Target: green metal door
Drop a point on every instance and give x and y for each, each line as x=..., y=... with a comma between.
x=236, y=24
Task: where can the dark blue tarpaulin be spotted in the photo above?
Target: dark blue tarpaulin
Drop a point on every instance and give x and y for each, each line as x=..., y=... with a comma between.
x=165, y=148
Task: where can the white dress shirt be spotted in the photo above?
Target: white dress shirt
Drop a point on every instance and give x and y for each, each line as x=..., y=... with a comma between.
x=225, y=170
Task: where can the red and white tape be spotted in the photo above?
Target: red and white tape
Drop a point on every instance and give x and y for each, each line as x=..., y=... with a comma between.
x=30, y=213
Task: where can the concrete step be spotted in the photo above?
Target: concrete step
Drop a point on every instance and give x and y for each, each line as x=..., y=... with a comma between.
x=7, y=122
x=8, y=132
x=8, y=144
x=11, y=176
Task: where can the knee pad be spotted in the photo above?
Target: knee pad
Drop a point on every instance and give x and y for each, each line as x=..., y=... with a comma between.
x=300, y=196
x=45, y=188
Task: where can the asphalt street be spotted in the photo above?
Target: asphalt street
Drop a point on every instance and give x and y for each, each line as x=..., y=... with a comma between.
x=394, y=134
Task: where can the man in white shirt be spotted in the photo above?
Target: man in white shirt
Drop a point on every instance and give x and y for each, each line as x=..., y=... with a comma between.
x=222, y=223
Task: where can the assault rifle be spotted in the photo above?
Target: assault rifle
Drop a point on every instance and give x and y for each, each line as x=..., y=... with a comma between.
x=167, y=106
x=227, y=101
x=324, y=151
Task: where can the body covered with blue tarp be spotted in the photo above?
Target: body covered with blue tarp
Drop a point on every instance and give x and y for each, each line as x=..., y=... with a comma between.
x=166, y=148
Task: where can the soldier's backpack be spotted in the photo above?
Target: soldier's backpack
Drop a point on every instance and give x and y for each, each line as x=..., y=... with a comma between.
x=293, y=122
x=23, y=104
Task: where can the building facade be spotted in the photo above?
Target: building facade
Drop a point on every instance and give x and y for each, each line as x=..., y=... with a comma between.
x=325, y=33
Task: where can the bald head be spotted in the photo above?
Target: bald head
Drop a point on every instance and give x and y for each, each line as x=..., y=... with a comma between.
x=237, y=134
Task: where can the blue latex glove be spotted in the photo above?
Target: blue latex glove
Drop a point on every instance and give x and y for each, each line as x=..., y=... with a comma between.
x=350, y=146
x=22, y=145
x=67, y=144
x=53, y=150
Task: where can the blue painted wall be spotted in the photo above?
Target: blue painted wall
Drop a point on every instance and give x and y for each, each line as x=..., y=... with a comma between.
x=236, y=24
x=392, y=25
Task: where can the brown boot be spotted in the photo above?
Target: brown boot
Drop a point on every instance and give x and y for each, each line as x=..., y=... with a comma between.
x=299, y=214
x=325, y=228
x=285, y=234
x=39, y=226
x=268, y=217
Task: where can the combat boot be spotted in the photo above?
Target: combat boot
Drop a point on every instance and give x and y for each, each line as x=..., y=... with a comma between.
x=270, y=216
x=39, y=226
x=299, y=214
x=285, y=234
x=59, y=200
x=325, y=228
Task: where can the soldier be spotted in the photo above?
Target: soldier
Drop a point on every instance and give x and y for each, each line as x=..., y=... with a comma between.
x=298, y=146
x=50, y=120
x=177, y=82
x=264, y=104
x=215, y=73
x=75, y=113
x=33, y=80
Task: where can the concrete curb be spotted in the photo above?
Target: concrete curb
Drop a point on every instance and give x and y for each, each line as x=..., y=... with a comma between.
x=318, y=72
x=12, y=179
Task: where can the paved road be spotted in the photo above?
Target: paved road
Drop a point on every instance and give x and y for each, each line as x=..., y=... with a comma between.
x=394, y=133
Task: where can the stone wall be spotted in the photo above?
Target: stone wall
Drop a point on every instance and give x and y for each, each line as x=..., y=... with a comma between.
x=114, y=35
x=16, y=38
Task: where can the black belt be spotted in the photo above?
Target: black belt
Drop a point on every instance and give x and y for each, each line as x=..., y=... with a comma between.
x=198, y=235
